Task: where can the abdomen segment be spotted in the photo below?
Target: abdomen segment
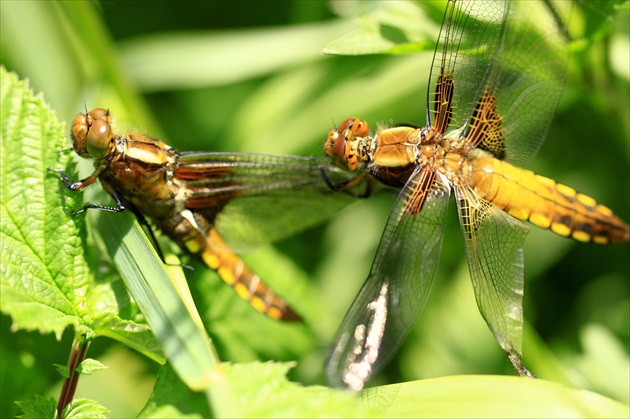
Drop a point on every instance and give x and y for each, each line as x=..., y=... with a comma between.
x=211, y=250
x=545, y=203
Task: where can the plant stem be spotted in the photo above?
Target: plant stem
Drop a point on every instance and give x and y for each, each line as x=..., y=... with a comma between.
x=80, y=346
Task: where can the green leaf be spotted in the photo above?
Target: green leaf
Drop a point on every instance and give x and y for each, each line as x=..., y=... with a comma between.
x=395, y=28
x=63, y=370
x=83, y=408
x=181, y=60
x=263, y=391
x=133, y=334
x=172, y=398
x=46, y=283
x=88, y=366
x=44, y=277
x=491, y=396
x=169, y=310
x=39, y=407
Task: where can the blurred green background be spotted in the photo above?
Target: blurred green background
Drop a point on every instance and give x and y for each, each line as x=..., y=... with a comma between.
x=250, y=76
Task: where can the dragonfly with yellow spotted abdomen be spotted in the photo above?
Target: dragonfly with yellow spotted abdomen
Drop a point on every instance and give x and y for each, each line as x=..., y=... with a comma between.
x=210, y=203
x=497, y=75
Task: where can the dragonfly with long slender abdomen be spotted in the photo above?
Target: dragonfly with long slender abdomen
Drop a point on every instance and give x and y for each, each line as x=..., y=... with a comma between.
x=211, y=203
x=497, y=75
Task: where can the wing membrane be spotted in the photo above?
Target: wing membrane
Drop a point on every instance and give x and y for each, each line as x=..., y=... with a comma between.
x=494, y=250
x=256, y=198
x=398, y=285
x=466, y=44
x=527, y=74
x=514, y=54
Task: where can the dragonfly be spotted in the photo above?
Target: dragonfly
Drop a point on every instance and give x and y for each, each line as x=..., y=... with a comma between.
x=211, y=203
x=496, y=78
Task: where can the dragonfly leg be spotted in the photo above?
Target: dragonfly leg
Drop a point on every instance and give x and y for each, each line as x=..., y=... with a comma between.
x=78, y=185
x=119, y=208
x=75, y=186
x=349, y=184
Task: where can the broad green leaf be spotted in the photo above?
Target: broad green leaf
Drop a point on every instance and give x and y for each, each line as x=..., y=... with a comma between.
x=171, y=398
x=182, y=60
x=46, y=283
x=133, y=334
x=262, y=390
x=39, y=407
x=44, y=276
x=491, y=397
x=397, y=27
x=83, y=408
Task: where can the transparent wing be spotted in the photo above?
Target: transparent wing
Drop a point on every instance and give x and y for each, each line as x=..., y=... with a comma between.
x=512, y=55
x=255, y=198
x=527, y=74
x=398, y=285
x=494, y=250
x=467, y=42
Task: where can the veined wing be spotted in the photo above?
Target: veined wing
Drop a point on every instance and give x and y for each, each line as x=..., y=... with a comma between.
x=257, y=198
x=467, y=42
x=526, y=77
x=398, y=285
x=494, y=250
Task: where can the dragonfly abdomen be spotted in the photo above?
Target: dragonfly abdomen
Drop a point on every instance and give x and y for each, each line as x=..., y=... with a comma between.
x=545, y=203
x=212, y=251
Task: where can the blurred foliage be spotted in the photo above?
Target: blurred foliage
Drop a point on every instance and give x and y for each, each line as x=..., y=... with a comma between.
x=250, y=76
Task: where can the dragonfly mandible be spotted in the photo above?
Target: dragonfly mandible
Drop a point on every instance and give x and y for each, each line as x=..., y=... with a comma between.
x=201, y=200
x=495, y=81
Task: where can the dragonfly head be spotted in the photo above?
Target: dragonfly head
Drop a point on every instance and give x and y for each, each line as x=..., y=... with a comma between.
x=342, y=143
x=92, y=134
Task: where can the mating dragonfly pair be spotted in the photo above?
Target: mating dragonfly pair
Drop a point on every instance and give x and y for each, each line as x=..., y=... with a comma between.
x=495, y=82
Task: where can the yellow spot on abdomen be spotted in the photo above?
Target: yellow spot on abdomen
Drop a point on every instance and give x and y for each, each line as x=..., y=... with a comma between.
x=545, y=180
x=586, y=200
x=274, y=313
x=242, y=290
x=565, y=190
x=519, y=213
x=258, y=304
x=605, y=211
x=227, y=275
x=192, y=246
x=581, y=236
x=540, y=220
x=560, y=229
x=210, y=259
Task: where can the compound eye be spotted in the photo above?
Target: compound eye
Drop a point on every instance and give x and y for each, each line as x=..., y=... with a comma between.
x=100, y=113
x=79, y=133
x=99, y=139
x=91, y=133
x=354, y=127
